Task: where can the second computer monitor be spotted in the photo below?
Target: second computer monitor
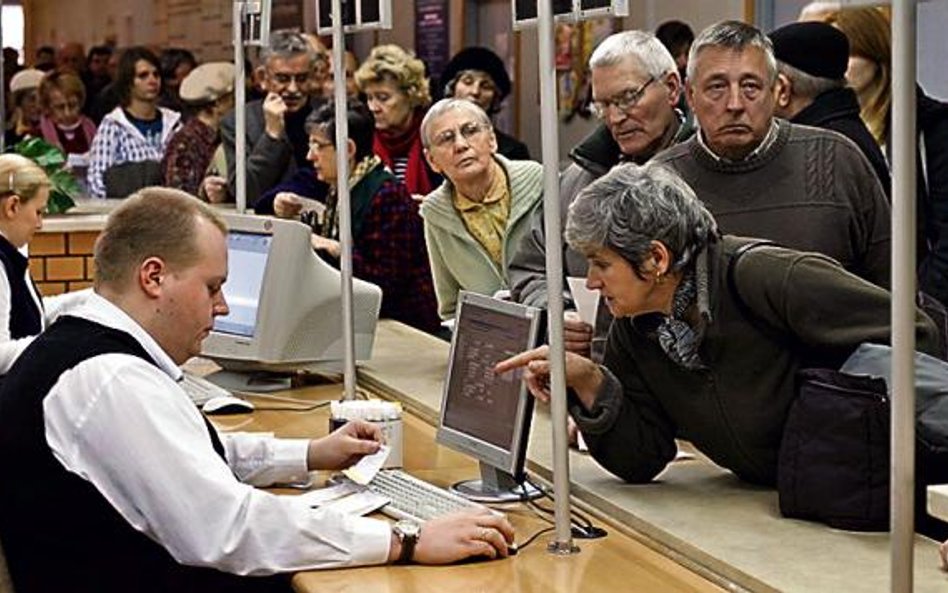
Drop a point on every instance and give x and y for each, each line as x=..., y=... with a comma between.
x=285, y=303
x=484, y=414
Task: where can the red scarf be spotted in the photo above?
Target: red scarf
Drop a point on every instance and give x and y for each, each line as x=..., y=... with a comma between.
x=389, y=146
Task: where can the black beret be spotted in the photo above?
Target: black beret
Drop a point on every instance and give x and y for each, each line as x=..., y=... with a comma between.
x=477, y=58
x=817, y=49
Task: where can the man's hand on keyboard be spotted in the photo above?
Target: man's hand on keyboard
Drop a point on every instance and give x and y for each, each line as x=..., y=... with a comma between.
x=461, y=535
x=344, y=446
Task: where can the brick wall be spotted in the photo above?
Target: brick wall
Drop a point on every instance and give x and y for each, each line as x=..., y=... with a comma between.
x=62, y=262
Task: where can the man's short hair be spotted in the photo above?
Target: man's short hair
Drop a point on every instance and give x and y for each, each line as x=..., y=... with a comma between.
x=641, y=45
x=152, y=222
x=99, y=50
x=736, y=36
x=807, y=85
x=285, y=44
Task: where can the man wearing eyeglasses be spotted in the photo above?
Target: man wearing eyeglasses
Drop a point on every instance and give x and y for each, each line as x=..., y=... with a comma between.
x=277, y=143
x=635, y=87
x=805, y=188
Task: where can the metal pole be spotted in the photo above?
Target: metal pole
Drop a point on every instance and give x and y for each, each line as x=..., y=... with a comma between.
x=240, y=108
x=3, y=88
x=563, y=540
x=342, y=194
x=903, y=294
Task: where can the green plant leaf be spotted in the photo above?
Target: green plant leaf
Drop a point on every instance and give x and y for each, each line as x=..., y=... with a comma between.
x=63, y=186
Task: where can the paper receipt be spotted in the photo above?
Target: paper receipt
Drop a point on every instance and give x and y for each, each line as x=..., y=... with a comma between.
x=363, y=471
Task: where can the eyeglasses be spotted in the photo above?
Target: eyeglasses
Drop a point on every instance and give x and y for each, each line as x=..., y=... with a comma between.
x=318, y=144
x=449, y=137
x=284, y=78
x=623, y=101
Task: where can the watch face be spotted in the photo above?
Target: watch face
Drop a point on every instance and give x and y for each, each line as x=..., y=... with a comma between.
x=407, y=528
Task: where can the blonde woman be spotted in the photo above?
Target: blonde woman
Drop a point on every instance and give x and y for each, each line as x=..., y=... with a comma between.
x=397, y=94
x=24, y=191
x=870, y=65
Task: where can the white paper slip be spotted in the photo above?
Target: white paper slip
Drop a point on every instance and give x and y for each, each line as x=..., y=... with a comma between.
x=368, y=466
x=586, y=301
x=316, y=498
x=360, y=503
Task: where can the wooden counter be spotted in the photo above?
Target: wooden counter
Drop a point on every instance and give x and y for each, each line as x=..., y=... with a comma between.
x=614, y=563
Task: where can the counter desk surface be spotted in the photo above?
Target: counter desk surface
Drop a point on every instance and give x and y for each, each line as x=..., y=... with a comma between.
x=695, y=512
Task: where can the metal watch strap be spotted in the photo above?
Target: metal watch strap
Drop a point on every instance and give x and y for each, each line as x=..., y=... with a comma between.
x=408, y=541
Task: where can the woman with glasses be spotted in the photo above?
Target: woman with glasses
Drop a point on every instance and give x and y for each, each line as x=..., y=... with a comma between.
x=24, y=191
x=396, y=92
x=388, y=246
x=475, y=220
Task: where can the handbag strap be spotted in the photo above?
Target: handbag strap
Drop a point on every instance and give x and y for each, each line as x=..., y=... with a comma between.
x=742, y=305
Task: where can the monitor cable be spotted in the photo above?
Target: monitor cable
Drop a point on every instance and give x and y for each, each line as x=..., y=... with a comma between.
x=581, y=526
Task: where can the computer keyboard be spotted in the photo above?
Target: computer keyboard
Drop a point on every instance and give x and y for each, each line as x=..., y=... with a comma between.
x=415, y=499
x=200, y=389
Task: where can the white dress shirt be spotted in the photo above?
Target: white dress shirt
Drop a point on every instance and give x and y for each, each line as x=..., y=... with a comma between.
x=50, y=308
x=124, y=425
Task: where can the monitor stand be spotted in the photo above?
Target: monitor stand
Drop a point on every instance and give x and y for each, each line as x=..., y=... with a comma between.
x=253, y=381
x=495, y=486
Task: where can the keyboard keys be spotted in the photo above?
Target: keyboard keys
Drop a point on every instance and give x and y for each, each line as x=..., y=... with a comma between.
x=412, y=498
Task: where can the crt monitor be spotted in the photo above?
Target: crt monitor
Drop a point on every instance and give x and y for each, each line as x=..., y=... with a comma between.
x=484, y=414
x=285, y=303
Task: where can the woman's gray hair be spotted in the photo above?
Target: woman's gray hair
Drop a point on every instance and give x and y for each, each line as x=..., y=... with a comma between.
x=631, y=206
x=641, y=45
x=443, y=106
x=733, y=35
x=285, y=44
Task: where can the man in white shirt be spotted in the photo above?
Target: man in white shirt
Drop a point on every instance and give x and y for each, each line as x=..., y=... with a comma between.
x=115, y=482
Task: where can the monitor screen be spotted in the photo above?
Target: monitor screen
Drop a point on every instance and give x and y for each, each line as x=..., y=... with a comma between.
x=247, y=255
x=479, y=402
x=485, y=414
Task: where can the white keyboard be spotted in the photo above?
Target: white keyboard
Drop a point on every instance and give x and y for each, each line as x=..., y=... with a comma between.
x=411, y=498
x=200, y=390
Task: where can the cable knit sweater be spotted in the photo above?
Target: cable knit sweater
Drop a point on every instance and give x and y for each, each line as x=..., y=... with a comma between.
x=811, y=190
x=458, y=261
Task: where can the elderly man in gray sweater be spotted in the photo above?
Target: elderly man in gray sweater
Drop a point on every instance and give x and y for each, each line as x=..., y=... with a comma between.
x=807, y=189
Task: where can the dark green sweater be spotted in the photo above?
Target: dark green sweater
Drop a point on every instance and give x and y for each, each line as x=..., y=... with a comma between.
x=810, y=189
x=811, y=313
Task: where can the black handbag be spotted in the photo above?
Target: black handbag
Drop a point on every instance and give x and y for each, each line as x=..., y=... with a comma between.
x=833, y=463
x=834, y=459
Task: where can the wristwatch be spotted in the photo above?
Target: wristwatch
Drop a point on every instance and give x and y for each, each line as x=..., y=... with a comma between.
x=407, y=533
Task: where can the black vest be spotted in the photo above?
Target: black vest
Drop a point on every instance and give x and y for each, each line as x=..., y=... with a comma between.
x=25, y=315
x=58, y=532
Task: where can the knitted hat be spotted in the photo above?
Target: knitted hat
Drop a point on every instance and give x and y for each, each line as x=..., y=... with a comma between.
x=26, y=79
x=818, y=49
x=208, y=82
x=477, y=58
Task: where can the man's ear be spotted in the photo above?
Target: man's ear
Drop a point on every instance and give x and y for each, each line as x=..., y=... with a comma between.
x=151, y=273
x=783, y=91
x=673, y=83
